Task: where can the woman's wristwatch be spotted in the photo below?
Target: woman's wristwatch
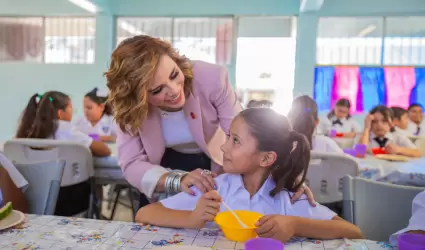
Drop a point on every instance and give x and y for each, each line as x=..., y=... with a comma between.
x=173, y=181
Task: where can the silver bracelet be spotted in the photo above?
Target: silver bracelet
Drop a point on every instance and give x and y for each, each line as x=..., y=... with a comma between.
x=173, y=181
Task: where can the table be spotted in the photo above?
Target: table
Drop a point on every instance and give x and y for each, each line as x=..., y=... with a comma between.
x=410, y=173
x=52, y=232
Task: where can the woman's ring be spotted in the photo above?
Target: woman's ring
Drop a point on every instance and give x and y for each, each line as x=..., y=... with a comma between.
x=205, y=172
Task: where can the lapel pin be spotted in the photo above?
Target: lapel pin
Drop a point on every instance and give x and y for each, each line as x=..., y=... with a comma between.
x=193, y=115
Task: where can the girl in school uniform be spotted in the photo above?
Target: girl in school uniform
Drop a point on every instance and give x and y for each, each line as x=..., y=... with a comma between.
x=401, y=121
x=48, y=116
x=304, y=119
x=97, y=119
x=263, y=157
x=378, y=133
x=416, y=116
x=339, y=119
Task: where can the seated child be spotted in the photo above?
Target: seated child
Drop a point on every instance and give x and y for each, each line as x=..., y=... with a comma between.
x=11, y=188
x=263, y=157
x=401, y=120
x=416, y=116
x=48, y=116
x=97, y=117
x=377, y=134
x=417, y=221
x=304, y=119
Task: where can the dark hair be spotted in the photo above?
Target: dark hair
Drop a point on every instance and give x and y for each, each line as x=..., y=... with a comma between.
x=343, y=102
x=39, y=118
x=273, y=132
x=99, y=100
x=303, y=116
x=252, y=104
x=385, y=112
x=414, y=105
x=398, y=112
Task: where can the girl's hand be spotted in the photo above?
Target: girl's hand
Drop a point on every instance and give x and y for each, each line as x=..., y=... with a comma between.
x=278, y=227
x=368, y=121
x=350, y=134
x=392, y=148
x=304, y=189
x=206, y=209
x=198, y=178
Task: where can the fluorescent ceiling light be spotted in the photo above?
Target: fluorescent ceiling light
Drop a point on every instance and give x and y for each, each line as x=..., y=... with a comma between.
x=366, y=31
x=130, y=28
x=85, y=4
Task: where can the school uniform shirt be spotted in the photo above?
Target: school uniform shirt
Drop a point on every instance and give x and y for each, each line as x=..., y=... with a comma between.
x=395, y=137
x=17, y=178
x=415, y=129
x=67, y=132
x=325, y=144
x=104, y=127
x=234, y=194
x=417, y=221
x=405, y=132
x=343, y=125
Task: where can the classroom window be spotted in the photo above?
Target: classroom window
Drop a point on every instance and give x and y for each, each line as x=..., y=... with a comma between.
x=207, y=39
x=404, y=42
x=47, y=39
x=349, y=41
x=69, y=40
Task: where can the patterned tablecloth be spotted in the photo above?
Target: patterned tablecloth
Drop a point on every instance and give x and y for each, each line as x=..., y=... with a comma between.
x=52, y=232
x=410, y=173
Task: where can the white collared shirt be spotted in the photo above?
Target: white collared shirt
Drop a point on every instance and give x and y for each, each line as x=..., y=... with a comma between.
x=104, y=127
x=405, y=132
x=417, y=221
x=234, y=194
x=395, y=137
x=17, y=178
x=413, y=128
x=348, y=125
x=67, y=132
x=325, y=144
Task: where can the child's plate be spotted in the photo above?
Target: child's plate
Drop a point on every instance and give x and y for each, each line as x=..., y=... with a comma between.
x=181, y=247
x=13, y=219
x=389, y=157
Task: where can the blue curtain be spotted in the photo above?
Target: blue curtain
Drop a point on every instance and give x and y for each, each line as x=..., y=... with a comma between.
x=323, y=82
x=372, y=82
x=418, y=92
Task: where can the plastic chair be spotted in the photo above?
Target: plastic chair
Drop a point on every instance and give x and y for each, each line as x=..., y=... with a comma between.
x=78, y=159
x=44, y=184
x=325, y=173
x=378, y=208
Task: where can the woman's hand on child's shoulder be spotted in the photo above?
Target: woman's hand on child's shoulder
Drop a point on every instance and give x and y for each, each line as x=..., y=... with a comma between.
x=206, y=209
x=278, y=227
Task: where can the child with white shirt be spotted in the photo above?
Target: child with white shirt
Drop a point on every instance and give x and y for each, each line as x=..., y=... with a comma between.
x=377, y=134
x=340, y=120
x=12, y=185
x=48, y=116
x=416, y=117
x=400, y=120
x=304, y=119
x=263, y=158
x=97, y=119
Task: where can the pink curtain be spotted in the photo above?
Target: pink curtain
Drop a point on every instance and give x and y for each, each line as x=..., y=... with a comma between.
x=223, y=51
x=346, y=85
x=399, y=81
x=21, y=40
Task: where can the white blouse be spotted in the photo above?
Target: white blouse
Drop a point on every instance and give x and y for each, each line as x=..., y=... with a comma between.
x=105, y=126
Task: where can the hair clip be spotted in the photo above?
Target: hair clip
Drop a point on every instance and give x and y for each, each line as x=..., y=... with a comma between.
x=38, y=97
x=102, y=92
x=50, y=99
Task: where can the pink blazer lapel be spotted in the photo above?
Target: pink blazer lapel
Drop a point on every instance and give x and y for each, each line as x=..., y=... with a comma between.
x=192, y=110
x=151, y=136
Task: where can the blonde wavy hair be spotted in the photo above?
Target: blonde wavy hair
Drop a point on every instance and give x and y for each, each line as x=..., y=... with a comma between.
x=133, y=65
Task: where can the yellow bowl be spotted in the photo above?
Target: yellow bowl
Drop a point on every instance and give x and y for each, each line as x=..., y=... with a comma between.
x=231, y=228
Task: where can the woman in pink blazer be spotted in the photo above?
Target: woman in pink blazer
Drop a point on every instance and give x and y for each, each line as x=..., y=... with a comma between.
x=171, y=114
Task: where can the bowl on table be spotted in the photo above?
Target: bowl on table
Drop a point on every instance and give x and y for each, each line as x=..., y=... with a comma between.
x=263, y=243
x=338, y=134
x=411, y=242
x=95, y=137
x=379, y=151
x=350, y=151
x=231, y=228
